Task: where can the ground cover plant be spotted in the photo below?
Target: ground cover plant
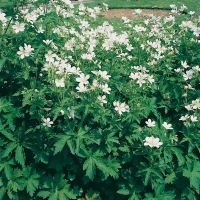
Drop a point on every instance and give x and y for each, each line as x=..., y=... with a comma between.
x=153, y=4
x=91, y=113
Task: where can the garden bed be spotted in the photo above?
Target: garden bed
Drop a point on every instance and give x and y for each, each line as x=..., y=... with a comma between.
x=119, y=13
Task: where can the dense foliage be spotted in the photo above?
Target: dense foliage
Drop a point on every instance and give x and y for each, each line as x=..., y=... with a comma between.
x=90, y=113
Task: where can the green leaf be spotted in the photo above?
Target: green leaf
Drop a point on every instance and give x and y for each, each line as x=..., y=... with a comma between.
x=19, y=155
x=178, y=153
x=147, y=176
x=170, y=178
x=2, y=62
x=44, y=194
x=4, y=105
x=42, y=156
x=10, y=121
x=89, y=166
x=194, y=174
x=32, y=180
x=55, y=188
x=7, y=134
x=9, y=148
x=123, y=192
x=2, y=192
x=92, y=195
x=61, y=143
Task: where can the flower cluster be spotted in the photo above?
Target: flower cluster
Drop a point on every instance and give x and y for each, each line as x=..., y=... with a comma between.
x=193, y=107
x=141, y=76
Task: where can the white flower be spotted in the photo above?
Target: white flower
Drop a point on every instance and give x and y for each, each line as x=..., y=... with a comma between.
x=62, y=112
x=105, y=88
x=102, y=99
x=104, y=74
x=129, y=47
x=108, y=44
x=150, y=123
x=196, y=104
x=25, y=51
x=18, y=27
x=81, y=88
x=189, y=107
x=137, y=12
x=188, y=74
x=83, y=79
x=191, y=12
x=184, y=118
x=47, y=42
x=3, y=17
x=189, y=87
x=134, y=76
x=50, y=56
x=184, y=64
x=60, y=82
x=152, y=142
x=40, y=30
x=47, y=122
x=167, y=126
x=193, y=118
x=120, y=108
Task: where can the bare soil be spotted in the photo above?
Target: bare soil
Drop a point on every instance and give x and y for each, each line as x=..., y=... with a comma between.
x=119, y=13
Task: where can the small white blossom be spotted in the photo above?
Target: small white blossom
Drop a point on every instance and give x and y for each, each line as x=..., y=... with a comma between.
x=105, y=88
x=81, y=88
x=18, y=27
x=60, y=82
x=25, y=51
x=62, y=112
x=184, y=64
x=167, y=126
x=193, y=118
x=83, y=79
x=120, y=108
x=102, y=99
x=196, y=104
x=137, y=12
x=152, y=142
x=47, y=122
x=150, y=123
x=184, y=118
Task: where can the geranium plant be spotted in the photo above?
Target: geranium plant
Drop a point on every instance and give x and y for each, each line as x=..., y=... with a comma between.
x=91, y=113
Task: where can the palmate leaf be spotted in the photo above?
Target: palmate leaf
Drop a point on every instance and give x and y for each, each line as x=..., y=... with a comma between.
x=44, y=194
x=92, y=195
x=32, y=180
x=89, y=166
x=10, y=121
x=6, y=166
x=3, y=190
x=7, y=134
x=59, y=145
x=178, y=153
x=2, y=62
x=4, y=105
x=193, y=173
x=170, y=178
x=9, y=148
x=19, y=155
x=56, y=188
x=109, y=166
